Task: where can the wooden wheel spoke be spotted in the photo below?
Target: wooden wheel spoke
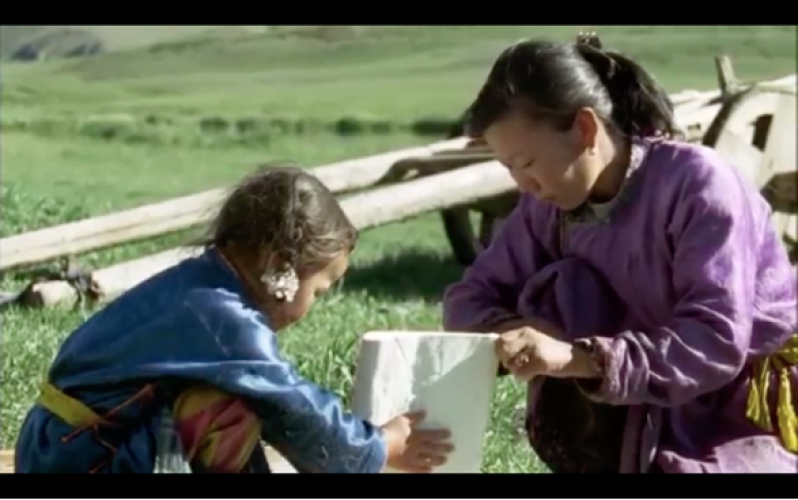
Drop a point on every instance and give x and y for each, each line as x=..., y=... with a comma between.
x=754, y=131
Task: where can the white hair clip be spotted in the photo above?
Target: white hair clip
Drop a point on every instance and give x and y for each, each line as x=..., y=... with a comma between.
x=281, y=285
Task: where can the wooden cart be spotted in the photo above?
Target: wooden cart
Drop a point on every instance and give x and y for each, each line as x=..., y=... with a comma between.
x=752, y=126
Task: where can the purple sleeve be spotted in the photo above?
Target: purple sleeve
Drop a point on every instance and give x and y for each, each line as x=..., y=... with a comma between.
x=715, y=232
x=487, y=295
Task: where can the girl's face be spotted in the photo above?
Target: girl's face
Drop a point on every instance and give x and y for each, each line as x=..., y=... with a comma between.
x=556, y=167
x=312, y=284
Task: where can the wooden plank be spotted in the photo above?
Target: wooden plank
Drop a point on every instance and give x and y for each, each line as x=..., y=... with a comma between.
x=727, y=80
x=695, y=118
x=116, y=279
x=780, y=156
x=111, y=281
x=177, y=214
x=686, y=96
x=366, y=210
x=696, y=114
x=411, y=168
x=427, y=194
x=773, y=167
x=740, y=153
x=180, y=213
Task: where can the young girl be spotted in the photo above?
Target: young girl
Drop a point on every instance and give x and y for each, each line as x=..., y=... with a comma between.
x=184, y=369
x=640, y=285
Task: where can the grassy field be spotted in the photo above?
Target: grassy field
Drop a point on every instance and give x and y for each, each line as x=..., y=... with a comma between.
x=88, y=136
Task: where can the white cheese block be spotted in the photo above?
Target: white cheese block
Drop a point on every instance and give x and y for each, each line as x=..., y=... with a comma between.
x=450, y=375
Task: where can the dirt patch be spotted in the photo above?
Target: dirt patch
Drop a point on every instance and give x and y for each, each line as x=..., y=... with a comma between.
x=6, y=462
x=276, y=461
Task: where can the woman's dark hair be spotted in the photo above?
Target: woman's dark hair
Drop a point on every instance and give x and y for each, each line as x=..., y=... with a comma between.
x=552, y=81
x=289, y=212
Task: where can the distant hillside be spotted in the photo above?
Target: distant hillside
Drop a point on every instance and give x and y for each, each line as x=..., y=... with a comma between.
x=194, y=79
x=25, y=42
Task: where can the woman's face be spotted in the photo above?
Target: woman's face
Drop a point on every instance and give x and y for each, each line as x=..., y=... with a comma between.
x=554, y=166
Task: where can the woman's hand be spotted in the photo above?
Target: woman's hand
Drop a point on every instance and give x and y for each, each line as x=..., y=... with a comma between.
x=527, y=353
x=411, y=449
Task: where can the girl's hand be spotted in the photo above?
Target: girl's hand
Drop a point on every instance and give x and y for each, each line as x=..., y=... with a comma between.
x=527, y=353
x=414, y=450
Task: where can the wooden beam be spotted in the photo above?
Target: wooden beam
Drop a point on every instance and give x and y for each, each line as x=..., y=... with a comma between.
x=687, y=96
x=768, y=157
x=727, y=80
x=779, y=162
x=427, y=194
x=409, y=168
x=696, y=116
x=111, y=281
x=739, y=153
x=180, y=213
x=377, y=207
x=177, y=214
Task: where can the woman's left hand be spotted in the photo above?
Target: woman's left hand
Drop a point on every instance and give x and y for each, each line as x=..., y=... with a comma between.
x=527, y=353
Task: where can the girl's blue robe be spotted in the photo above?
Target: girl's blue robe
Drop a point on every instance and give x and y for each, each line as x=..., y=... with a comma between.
x=191, y=324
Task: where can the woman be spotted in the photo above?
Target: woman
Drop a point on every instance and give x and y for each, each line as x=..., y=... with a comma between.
x=639, y=285
x=183, y=372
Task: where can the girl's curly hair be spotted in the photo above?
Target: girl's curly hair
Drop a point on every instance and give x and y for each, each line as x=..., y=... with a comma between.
x=287, y=211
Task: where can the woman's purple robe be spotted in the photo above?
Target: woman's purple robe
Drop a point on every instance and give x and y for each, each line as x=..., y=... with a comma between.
x=707, y=287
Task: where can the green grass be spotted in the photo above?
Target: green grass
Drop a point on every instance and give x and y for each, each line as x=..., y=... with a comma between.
x=110, y=176
x=56, y=167
x=398, y=73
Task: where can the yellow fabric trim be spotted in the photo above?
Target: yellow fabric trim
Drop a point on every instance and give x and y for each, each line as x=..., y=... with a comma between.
x=757, y=407
x=196, y=399
x=189, y=403
x=68, y=409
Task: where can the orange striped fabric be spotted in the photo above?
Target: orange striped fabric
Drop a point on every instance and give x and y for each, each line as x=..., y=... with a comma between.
x=216, y=430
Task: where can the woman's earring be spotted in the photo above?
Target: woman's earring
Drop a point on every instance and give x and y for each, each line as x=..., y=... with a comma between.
x=282, y=285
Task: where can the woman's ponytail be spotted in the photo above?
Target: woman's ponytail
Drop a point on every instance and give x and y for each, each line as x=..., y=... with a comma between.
x=641, y=107
x=552, y=81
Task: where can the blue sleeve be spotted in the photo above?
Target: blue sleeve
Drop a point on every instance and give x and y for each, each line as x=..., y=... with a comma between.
x=304, y=422
x=308, y=425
